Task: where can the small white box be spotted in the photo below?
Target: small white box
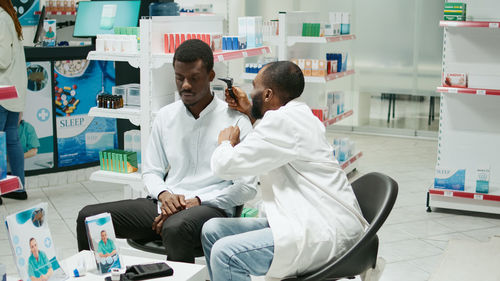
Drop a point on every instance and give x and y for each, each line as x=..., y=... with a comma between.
x=458, y=80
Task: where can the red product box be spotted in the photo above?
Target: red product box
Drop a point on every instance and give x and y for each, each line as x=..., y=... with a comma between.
x=165, y=43
x=177, y=41
x=183, y=38
x=457, y=80
x=171, y=43
x=198, y=36
x=322, y=114
x=188, y=36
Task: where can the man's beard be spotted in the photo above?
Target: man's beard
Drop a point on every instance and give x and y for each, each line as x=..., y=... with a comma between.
x=257, y=106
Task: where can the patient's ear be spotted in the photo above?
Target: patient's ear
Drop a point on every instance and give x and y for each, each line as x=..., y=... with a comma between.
x=268, y=95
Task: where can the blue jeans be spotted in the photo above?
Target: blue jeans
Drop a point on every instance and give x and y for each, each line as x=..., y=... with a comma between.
x=236, y=248
x=9, y=121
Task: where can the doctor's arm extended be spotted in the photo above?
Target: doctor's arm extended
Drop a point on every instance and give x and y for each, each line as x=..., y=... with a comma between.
x=272, y=144
x=154, y=171
x=243, y=189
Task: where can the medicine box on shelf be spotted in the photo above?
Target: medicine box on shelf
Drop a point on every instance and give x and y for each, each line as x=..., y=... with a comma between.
x=117, y=160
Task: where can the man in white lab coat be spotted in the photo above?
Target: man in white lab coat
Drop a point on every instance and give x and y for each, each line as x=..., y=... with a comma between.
x=312, y=215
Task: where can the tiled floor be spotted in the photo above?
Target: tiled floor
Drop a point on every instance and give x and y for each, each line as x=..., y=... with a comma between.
x=412, y=240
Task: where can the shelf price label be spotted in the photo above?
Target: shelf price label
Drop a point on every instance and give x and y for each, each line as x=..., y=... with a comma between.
x=478, y=196
x=481, y=92
x=448, y=193
x=453, y=90
x=494, y=25
x=264, y=51
x=245, y=54
x=220, y=57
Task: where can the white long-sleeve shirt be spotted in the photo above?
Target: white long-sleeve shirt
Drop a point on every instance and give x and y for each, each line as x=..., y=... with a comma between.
x=302, y=187
x=185, y=144
x=12, y=63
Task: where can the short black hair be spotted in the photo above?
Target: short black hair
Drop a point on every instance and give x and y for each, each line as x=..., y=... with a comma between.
x=193, y=50
x=284, y=77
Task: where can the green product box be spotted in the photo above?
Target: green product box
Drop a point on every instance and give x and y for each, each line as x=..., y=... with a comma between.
x=318, y=29
x=454, y=12
x=120, y=163
x=131, y=162
x=455, y=6
x=304, y=29
x=105, y=160
x=454, y=18
x=249, y=212
x=113, y=160
x=110, y=161
x=101, y=160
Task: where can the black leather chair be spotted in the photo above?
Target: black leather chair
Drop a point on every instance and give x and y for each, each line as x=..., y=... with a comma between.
x=157, y=247
x=376, y=194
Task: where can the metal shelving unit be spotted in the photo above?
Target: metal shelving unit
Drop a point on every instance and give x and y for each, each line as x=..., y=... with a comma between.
x=469, y=133
x=156, y=88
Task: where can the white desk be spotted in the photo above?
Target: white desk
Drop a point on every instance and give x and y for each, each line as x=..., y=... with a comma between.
x=182, y=271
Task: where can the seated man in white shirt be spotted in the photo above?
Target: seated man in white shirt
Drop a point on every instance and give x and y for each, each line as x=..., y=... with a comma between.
x=183, y=138
x=312, y=215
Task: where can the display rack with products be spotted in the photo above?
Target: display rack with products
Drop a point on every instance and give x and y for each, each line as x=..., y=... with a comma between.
x=157, y=87
x=467, y=169
x=291, y=28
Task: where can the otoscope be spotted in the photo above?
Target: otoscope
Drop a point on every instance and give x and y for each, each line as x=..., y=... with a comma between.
x=229, y=82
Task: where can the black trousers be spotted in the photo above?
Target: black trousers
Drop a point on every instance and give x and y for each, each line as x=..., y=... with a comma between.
x=134, y=219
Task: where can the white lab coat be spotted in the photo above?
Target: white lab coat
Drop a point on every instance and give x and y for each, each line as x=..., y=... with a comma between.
x=12, y=63
x=301, y=184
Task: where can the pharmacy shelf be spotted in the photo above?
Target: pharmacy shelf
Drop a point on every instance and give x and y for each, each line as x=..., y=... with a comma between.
x=131, y=113
x=7, y=92
x=329, y=77
x=132, y=58
x=484, y=24
x=238, y=54
x=291, y=40
x=160, y=59
x=471, y=91
x=338, y=118
x=114, y=177
x=348, y=165
x=461, y=200
x=464, y=194
x=309, y=79
x=57, y=13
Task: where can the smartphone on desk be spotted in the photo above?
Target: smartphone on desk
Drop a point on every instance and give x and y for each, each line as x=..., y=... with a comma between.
x=145, y=271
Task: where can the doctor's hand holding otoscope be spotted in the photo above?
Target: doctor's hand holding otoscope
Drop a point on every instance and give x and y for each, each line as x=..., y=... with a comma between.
x=238, y=100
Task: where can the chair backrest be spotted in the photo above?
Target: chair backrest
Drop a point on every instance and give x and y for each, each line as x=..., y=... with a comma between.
x=376, y=194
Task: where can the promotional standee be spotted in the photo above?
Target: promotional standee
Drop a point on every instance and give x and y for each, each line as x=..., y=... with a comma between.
x=36, y=127
x=32, y=245
x=26, y=11
x=102, y=239
x=76, y=85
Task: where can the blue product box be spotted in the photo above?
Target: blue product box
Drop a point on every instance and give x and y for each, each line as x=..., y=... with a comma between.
x=235, y=43
x=224, y=43
x=3, y=155
x=453, y=179
x=483, y=181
